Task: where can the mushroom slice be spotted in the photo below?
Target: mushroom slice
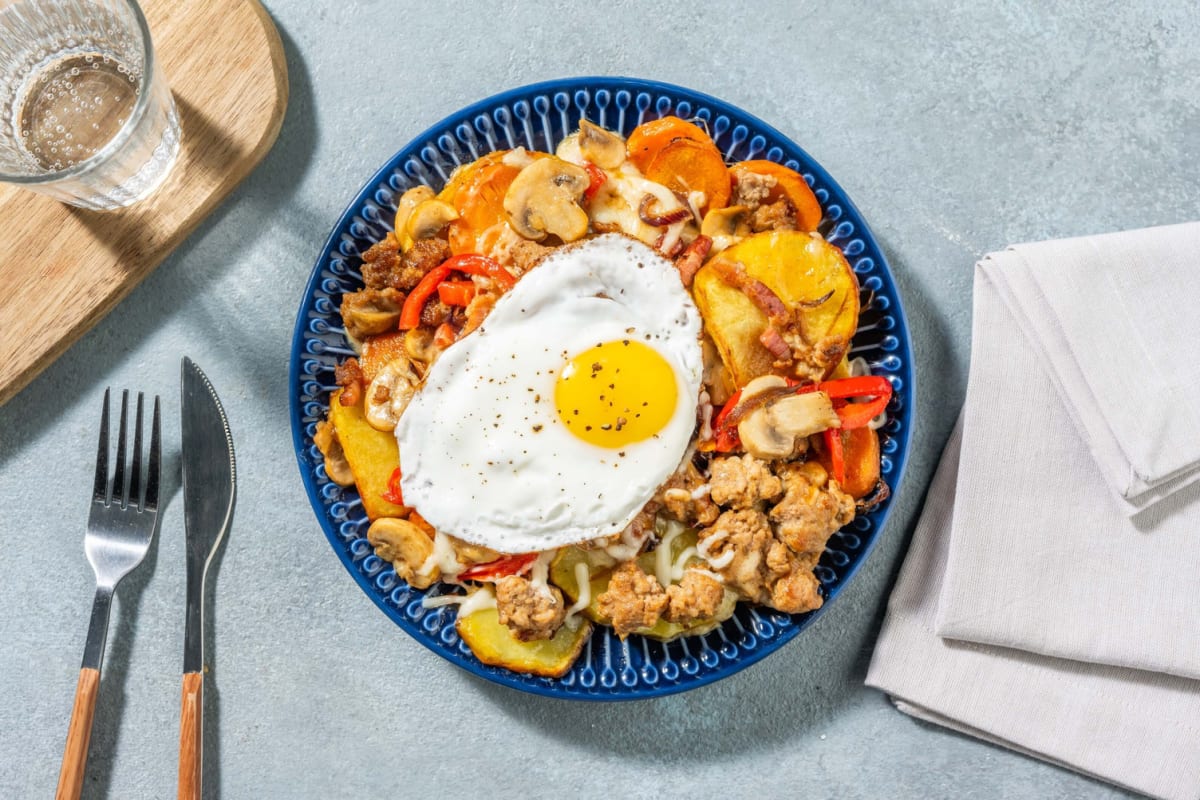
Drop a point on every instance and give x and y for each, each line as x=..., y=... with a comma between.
x=544, y=200
x=726, y=225
x=428, y=219
x=780, y=427
x=408, y=201
x=407, y=547
x=603, y=148
x=418, y=343
x=368, y=312
x=336, y=465
x=389, y=394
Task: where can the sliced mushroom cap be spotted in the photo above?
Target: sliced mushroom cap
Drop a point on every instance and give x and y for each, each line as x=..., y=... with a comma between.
x=389, y=394
x=428, y=219
x=468, y=553
x=781, y=427
x=406, y=546
x=371, y=311
x=408, y=201
x=603, y=148
x=802, y=415
x=725, y=226
x=336, y=465
x=418, y=343
x=544, y=200
x=728, y=221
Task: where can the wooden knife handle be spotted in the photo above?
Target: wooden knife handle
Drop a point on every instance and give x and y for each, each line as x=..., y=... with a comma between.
x=191, y=736
x=79, y=734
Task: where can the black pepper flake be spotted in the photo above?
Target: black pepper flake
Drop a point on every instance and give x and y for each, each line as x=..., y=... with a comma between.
x=587, y=427
x=537, y=428
x=621, y=422
x=621, y=453
x=537, y=398
x=606, y=426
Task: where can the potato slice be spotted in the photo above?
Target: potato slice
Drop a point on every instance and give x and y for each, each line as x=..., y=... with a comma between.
x=562, y=575
x=372, y=455
x=493, y=643
x=799, y=269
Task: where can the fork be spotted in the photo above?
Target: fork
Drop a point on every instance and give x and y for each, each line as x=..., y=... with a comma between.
x=120, y=528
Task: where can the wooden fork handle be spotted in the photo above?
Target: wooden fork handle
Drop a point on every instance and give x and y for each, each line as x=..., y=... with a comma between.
x=191, y=736
x=79, y=734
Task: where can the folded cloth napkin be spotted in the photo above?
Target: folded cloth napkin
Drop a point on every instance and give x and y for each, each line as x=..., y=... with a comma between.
x=1134, y=728
x=1066, y=528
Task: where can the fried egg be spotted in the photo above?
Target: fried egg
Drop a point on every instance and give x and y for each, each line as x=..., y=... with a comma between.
x=556, y=421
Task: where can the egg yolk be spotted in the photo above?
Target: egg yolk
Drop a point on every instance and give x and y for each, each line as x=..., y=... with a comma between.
x=616, y=393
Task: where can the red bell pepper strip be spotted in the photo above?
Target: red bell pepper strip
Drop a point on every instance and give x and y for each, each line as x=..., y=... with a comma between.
x=837, y=453
x=476, y=264
x=725, y=437
x=456, y=293
x=393, y=495
x=857, y=415
x=470, y=263
x=410, y=312
x=598, y=177
x=500, y=568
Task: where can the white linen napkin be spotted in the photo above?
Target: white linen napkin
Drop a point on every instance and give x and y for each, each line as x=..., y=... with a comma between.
x=1134, y=728
x=1042, y=557
x=1112, y=319
x=1060, y=599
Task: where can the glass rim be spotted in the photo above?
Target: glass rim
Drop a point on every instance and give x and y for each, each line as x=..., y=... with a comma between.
x=149, y=66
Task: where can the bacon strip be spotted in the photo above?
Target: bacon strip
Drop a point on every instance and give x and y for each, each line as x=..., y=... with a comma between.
x=690, y=261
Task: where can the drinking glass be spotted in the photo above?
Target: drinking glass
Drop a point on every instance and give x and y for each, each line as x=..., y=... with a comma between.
x=86, y=115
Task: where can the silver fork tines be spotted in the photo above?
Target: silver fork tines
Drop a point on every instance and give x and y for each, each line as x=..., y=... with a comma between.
x=124, y=512
x=120, y=527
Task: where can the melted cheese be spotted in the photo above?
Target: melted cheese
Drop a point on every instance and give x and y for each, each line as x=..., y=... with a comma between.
x=443, y=557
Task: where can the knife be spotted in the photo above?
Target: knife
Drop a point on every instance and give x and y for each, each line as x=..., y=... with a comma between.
x=209, y=489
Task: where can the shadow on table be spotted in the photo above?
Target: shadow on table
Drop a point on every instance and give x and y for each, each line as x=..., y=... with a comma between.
x=78, y=375
x=932, y=338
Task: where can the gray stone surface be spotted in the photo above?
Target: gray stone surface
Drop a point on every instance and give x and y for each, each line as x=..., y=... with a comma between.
x=956, y=128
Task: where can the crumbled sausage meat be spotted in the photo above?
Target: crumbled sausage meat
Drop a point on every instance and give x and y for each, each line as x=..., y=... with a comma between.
x=777, y=216
x=695, y=597
x=742, y=482
x=812, y=508
x=682, y=497
x=632, y=600
x=762, y=568
x=349, y=376
x=752, y=189
x=385, y=266
x=530, y=612
x=526, y=254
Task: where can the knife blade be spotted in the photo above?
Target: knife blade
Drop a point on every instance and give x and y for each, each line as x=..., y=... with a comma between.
x=209, y=493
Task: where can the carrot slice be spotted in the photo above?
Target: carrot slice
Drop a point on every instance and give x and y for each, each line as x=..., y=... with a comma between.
x=789, y=184
x=480, y=205
x=378, y=350
x=686, y=165
x=649, y=138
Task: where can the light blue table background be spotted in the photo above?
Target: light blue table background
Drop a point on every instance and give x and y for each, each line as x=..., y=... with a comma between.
x=956, y=128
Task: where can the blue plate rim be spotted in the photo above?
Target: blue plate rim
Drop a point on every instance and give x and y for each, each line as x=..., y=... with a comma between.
x=520, y=682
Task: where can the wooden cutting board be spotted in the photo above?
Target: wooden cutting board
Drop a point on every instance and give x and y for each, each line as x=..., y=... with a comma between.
x=64, y=268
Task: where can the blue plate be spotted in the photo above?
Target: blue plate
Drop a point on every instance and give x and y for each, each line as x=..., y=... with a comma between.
x=538, y=117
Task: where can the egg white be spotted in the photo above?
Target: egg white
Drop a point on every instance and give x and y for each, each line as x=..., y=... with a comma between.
x=483, y=453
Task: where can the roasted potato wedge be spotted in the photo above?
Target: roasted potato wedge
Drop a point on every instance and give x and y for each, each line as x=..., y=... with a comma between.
x=801, y=270
x=494, y=644
x=372, y=455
